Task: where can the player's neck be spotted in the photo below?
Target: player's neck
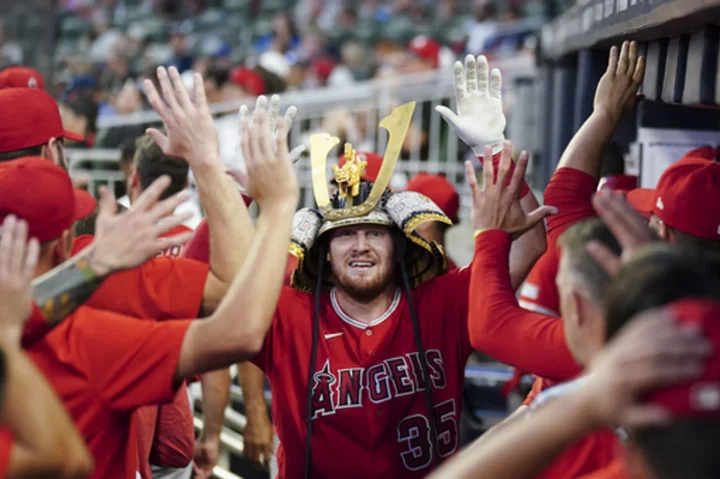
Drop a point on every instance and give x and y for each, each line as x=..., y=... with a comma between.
x=366, y=311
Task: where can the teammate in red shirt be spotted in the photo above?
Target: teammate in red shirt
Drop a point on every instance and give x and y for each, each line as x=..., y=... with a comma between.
x=37, y=436
x=104, y=365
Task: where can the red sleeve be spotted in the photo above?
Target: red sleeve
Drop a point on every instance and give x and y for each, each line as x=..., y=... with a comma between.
x=539, y=291
x=6, y=442
x=129, y=362
x=571, y=192
x=499, y=327
x=162, y=288
x=174, y=441
x=198, y=248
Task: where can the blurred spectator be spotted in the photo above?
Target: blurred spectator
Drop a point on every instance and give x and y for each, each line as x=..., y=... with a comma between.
x=10, y=52
x=79, y=116
x=483, y=27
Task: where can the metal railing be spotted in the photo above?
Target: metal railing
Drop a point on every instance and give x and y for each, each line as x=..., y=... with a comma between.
x=352, y=113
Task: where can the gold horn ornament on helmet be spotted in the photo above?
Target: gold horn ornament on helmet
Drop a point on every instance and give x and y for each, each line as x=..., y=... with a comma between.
x=348, y=177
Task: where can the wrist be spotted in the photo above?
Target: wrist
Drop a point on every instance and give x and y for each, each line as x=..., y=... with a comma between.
x=606, y=114
x=278, y=206
x=209, y=437
x=10, y=336
x=96, y=267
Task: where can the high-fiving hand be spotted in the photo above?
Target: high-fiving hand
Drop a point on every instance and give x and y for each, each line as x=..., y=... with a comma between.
x=480, y=119
x=191, y=133
x=134, y=236
x=497, y=205
x=617, y=90
x=18, y=260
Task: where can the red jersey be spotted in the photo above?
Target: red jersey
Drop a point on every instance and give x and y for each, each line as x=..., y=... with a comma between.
x=6, y=443
x=104, y=366
x=175, y=251
x=539, y=291
x=370, y=413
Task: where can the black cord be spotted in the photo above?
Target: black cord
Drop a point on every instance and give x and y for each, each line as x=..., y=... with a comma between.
x=421, y=351
x=313, y=358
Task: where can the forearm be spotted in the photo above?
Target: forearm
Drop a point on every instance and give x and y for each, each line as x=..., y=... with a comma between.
x=230, y=226
x=46, y=441
x=215, y=397
x=585, y=150
x=499, y=327
x=236, y=330
x=525, y=251
x=60, y=291
x=252, y=382
x=524, y=446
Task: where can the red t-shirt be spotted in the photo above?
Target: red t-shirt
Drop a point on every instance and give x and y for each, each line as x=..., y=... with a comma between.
x=35, y=328
x=370, y=411
x=6, y=443
x=104, y=366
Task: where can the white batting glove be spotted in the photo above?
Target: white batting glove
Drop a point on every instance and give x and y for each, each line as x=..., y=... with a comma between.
x=480, y=119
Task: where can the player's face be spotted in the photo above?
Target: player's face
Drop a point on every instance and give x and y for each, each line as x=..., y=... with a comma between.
x=361, y=258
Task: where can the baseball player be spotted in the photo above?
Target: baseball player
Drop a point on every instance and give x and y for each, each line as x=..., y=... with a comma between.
x=367, y=350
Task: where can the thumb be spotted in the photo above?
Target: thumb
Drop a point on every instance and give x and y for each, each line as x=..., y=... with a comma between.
x=296, y=153
x=160, y=139
x=604, y=257
x=536, y=216
x=107, y=204
x=449, y=116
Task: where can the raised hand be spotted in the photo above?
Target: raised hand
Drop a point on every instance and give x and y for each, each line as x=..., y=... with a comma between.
x=480, y=119
x=651, y=351
x=131, y=238
x=270, y=176
x=617, y=90
x=627, y=225
x=497, y=205
x=190, y=128
x=18, y=260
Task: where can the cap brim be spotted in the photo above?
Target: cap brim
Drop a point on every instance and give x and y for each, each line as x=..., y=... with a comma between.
x=84, y=204
x=641, y=199
x=68, y=135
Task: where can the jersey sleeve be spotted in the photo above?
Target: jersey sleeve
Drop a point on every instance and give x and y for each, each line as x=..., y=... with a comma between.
x=539, y=291
x=162, y=288
x=6, y=443
x=499, y=327
x=571, y=192
x=129, y=362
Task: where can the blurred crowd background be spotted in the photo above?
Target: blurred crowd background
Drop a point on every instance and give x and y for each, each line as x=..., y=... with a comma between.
x=103, y=48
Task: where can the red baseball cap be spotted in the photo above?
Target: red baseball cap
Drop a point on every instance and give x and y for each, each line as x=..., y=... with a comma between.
x=439, y=190
x=21, y=77
x=249, y=79
x=700, y=397
x=29, y=117
x=373, y=160
x=687, y=196
x=426, y=48
x=41, y=193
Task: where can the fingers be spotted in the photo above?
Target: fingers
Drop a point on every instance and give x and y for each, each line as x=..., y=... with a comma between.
x=504, y=166
x=167, y=206
x=639, y=72
x=518, y=177
x=6, y=241
x=471, y=81
x=107, y=204
x=159, y=137
x=625, y=223
x=623, y=60
x=244, y=133
x=613, y=60
x=488, y=168
x=632, y=58
x=646, y=415
x=260, y=106
x=256, y=150
x=459, y=84
x=167, y=90
x=472, y=181
x=539, y=214
x=199, y=91
x=496, y=84
x=267, y=143
x=181, y=93
x=31, y=259
x=296, y=153
x=274, y=112
x=449, y=116
x=17, y=253
x=149, y=197
x=482, y=75
x=167, y=224
x=290, y=115
x=604, y=257
x=155, y=101
x=281, y=144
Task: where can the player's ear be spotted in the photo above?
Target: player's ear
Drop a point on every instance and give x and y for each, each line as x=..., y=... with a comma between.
x=577, y=313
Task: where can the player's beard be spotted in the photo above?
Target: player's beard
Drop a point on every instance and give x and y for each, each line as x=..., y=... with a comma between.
x=364, y=289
